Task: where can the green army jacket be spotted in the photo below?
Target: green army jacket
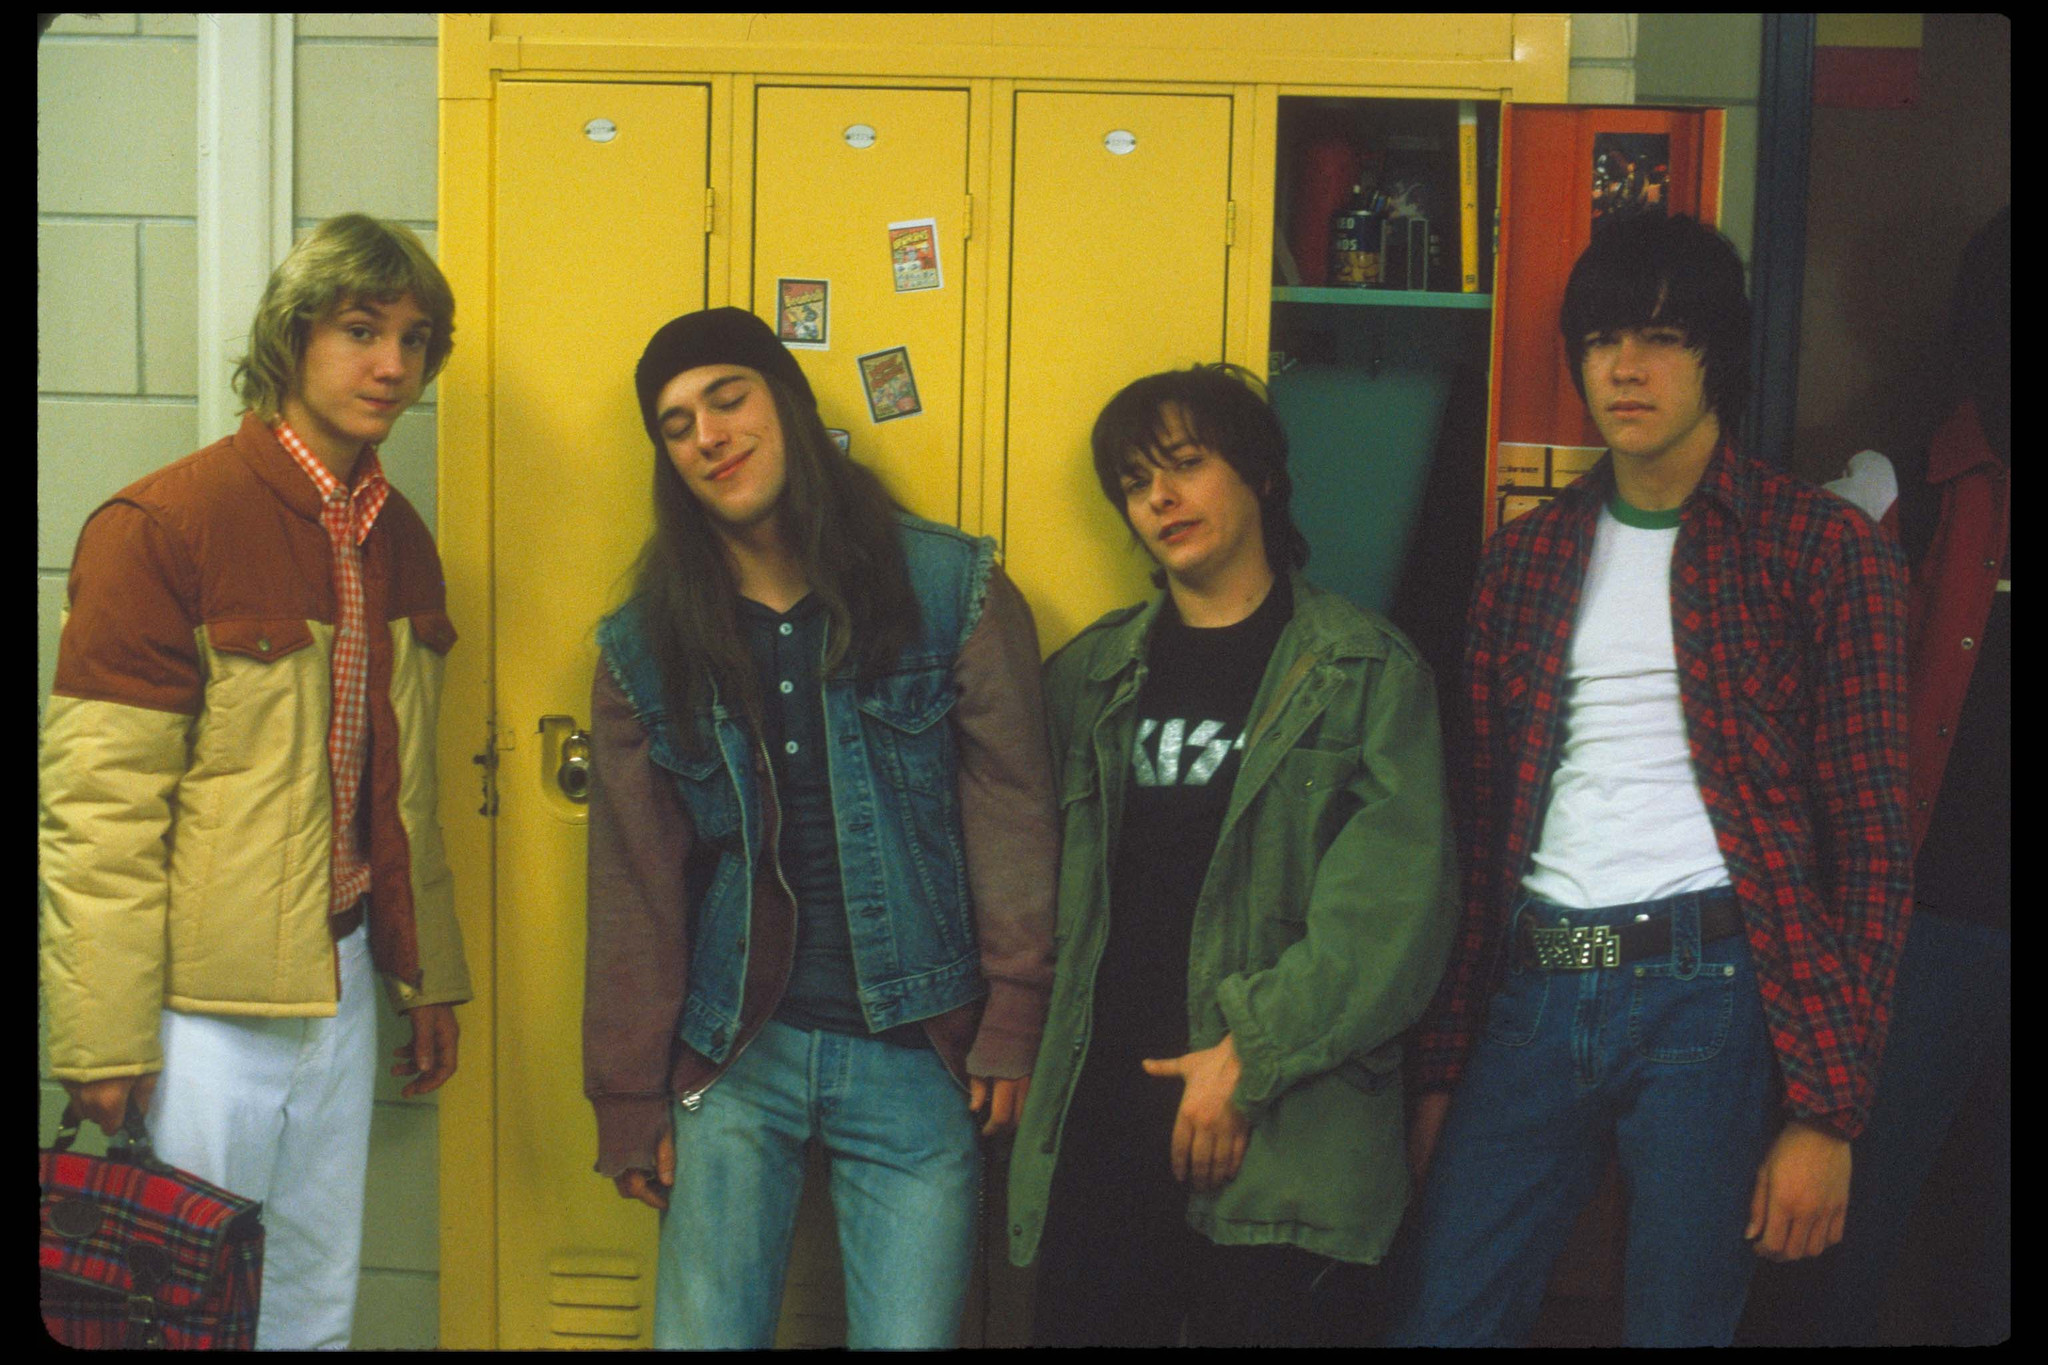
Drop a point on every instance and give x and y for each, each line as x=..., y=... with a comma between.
x=1320, y=932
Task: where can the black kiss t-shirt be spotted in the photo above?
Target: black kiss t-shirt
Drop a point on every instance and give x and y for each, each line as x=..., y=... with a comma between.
x=1188, y=743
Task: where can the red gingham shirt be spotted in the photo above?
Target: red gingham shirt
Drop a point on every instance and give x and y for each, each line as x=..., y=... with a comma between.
x=1788, y=614
x=348, y=514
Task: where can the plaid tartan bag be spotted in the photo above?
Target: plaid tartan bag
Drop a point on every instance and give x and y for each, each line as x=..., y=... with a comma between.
x=138, y=1254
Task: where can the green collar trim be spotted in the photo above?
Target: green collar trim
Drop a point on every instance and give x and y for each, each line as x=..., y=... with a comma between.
x=1629, y=515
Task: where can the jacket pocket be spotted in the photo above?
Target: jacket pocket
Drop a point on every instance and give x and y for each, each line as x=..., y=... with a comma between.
x=907, y=743
x=265, y=641
x=708, y=793
x=434, y=630
x=1374, y=1071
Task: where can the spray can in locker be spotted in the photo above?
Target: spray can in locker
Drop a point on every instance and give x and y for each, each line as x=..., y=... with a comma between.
x=1355, y=243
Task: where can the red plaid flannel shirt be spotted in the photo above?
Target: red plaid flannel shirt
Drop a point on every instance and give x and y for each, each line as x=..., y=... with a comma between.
x=1788, y=614
x=348, y=513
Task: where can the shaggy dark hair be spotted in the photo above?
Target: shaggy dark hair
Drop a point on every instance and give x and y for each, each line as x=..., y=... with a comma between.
x=840, y=521
x=1644, y=269
x=1226, y=411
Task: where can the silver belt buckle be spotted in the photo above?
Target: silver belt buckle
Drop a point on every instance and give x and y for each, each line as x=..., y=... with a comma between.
x=1565, y=949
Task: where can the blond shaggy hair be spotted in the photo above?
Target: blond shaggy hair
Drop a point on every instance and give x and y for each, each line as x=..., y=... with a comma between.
x=345, y=259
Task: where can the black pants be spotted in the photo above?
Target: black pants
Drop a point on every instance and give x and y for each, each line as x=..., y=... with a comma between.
x=1119, y=1266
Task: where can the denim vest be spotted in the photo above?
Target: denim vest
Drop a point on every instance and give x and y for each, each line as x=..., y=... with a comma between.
x=895, y=797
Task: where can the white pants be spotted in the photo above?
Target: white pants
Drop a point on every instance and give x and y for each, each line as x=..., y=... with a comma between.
x=279, y=1110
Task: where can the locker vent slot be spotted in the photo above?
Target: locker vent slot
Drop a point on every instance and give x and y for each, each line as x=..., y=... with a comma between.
x=596, y=1295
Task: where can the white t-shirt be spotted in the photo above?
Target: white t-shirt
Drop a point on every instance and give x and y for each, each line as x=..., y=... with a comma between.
x=1625, y=821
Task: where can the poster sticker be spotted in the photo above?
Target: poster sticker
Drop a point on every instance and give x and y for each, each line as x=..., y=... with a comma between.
x=1631, y=173
x=891, y=389
x=914, y=249
x=803, y=319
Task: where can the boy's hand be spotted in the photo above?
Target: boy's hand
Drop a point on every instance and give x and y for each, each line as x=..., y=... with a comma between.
x=106, y=1102
x=635, y=1184
x=1210, y=1134
x=1801, y=1201
x=1004, y=1098
x=430, y=1056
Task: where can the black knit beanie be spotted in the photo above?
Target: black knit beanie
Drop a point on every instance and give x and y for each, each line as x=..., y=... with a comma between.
x=712, y=336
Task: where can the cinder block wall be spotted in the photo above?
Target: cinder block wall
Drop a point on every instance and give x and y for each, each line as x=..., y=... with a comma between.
x=118, y=382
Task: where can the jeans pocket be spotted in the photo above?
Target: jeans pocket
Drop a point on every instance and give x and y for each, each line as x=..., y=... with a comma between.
x=1681, y=1019
x=1516, y=1011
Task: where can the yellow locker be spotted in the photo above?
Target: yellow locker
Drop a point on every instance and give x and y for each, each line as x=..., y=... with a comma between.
x=581, y=156
x=578, y=292
x=1119, y=220
x=833, y=168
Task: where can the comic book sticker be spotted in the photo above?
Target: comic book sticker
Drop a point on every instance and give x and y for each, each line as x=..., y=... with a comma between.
x=803, y=314
x=842, y=439
x=891, y=389
x=914, y=251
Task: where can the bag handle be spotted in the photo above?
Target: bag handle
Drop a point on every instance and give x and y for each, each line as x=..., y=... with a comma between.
x=137, y=1150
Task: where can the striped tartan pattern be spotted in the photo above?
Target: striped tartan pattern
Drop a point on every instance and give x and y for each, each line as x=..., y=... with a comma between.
x=212, y=1241
x=1788, y=619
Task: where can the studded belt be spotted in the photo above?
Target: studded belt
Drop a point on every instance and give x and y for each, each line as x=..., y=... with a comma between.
x=1588, y=947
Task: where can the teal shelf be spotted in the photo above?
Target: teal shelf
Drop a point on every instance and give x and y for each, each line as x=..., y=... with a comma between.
x=1380, y=298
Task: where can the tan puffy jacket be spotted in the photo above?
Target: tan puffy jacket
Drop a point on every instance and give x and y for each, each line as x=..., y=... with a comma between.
x=187, y=817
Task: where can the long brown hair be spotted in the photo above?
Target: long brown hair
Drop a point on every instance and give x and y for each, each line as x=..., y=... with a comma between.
x=351, y=257
x=839, y=520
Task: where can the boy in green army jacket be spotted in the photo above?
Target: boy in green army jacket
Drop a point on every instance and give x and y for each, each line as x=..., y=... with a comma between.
x=1255, y=900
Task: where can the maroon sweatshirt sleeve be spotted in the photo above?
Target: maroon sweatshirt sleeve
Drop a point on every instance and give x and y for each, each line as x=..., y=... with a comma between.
x=639, y=954
x=1009, y=820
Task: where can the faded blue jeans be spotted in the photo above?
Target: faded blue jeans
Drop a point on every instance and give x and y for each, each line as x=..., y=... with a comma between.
x=906, y=1173
x=1666, y=1062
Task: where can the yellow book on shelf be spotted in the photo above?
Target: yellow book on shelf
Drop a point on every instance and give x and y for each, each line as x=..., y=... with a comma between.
x=1468, y=196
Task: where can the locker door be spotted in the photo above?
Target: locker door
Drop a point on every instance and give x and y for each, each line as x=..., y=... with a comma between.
x=1543, y=437
x=823, y=202
x=598, y=241
x=1118, y=252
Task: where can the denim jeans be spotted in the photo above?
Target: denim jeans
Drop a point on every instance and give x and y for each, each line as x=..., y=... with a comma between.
x=1668, y=1063
x=1951, y=1034
x=906, y=1172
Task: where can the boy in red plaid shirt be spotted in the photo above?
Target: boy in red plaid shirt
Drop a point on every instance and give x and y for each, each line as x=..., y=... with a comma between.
x=1685, y=846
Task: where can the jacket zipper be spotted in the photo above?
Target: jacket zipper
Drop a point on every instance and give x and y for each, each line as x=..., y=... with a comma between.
x=695, y=1098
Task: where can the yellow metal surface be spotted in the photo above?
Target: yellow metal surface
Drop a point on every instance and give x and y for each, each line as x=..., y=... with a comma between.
x=1117, y=271
x=468, y=1190
x=1541, y=71
x=597, y=244
x=1399, y=36
x=1402, y=37
x=1511, y=54
x=821, y=211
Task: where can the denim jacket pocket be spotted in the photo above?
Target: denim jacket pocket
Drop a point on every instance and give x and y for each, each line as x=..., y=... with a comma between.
x=902, y=712
x=707, y=790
